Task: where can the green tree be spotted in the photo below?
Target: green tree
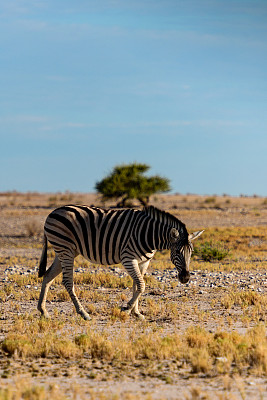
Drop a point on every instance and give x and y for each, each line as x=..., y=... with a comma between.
x=127, y=182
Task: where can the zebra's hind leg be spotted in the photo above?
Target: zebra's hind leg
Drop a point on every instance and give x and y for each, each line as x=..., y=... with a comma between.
x=49, y=277
x=67, y=269
x=133, y=270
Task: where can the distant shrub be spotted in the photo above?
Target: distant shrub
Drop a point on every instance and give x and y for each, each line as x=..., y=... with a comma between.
x=209, y=251
x=209, y=200
x=32, y=228
x=53, y=201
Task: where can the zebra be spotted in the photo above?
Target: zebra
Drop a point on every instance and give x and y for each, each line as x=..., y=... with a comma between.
x=111, y=236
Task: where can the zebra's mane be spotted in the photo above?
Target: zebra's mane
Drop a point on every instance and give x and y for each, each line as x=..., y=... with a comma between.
x=167, y=218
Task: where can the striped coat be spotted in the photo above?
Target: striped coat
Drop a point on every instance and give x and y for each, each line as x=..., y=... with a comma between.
x=112, y=236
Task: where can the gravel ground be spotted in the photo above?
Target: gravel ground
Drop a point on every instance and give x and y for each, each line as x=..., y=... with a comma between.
x=202, y=281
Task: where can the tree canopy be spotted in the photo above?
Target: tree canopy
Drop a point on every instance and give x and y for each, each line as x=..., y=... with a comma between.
x=127, y=182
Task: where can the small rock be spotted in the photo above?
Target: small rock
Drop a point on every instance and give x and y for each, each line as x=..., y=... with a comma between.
x=222, y=359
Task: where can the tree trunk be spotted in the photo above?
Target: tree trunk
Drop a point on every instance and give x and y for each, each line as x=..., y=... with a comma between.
x=122, y=202
x=144, y=200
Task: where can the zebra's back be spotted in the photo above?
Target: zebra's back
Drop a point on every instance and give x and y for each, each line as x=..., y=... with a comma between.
x=98, y=234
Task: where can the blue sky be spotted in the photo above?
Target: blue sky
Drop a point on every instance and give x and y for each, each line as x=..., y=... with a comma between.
x=177, y=84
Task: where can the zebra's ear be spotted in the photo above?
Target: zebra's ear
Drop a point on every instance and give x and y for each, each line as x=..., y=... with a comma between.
x=174, y=235
x=195, y=235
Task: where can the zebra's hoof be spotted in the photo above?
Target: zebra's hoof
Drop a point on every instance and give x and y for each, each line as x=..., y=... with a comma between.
x=85, y=316
x=45, y=315
x=126, y=309
x=138, y=315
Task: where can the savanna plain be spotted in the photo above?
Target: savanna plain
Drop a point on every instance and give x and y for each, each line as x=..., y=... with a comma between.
x=203, y=340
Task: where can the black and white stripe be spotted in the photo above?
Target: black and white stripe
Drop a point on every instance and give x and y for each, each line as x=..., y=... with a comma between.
x=112, y=236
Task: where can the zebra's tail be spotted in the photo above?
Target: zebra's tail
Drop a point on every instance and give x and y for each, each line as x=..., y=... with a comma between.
x=43, y=260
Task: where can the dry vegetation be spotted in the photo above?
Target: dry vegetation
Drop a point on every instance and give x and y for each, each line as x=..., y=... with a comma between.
x=205, y=340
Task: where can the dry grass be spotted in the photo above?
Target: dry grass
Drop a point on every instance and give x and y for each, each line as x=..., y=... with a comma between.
x=252, y=304
x=24, y=389
x=244, y=299
x=33, y=228
x=27, y=391
x=242, y=241
x=211, y=353
x=102, y=279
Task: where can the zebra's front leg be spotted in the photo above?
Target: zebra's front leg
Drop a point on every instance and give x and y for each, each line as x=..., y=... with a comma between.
x=49, y=277
x=135, y=311
x=143, y=268
x=133, y=270
x=67, y=269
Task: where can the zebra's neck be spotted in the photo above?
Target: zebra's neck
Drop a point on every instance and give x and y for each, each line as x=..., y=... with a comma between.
x=160, y=225
x=166, y=218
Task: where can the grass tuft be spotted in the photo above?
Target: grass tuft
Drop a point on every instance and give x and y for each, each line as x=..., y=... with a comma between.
x=244, y=299
x=210, y=251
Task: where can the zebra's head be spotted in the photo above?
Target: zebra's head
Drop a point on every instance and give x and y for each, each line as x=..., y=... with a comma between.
x=181, y=249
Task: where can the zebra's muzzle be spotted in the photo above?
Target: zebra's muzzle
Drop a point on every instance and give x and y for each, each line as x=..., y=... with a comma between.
x=184, y=276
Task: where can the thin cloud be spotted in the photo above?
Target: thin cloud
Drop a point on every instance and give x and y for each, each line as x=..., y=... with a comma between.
x=58, y=78
x=23, y=119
